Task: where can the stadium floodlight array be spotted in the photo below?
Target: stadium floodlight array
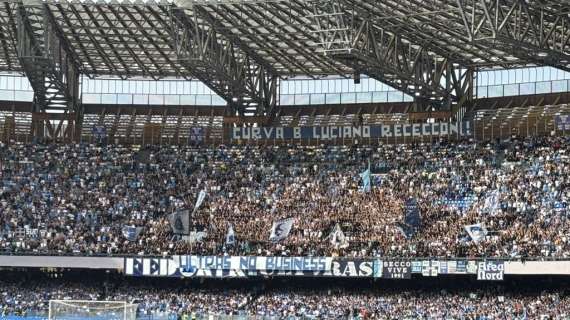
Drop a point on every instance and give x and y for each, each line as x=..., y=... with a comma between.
x=91, y=310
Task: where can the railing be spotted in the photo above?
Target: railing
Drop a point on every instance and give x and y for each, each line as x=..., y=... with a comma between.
x=16, y=95
x=344, y=98
x=519, y=89
x=491, y=91
x=153, y=99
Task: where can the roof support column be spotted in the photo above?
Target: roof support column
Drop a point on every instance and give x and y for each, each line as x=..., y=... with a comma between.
x=249, y=87
x=350, y=36
x=48, y=64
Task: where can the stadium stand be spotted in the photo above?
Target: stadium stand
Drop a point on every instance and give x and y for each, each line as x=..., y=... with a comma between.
x=284, y=159
x=77, y=199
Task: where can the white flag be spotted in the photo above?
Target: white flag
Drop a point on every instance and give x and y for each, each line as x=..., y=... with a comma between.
x=230, y=237
x=200, y=200
x=492, y=204
x=195, y=236
x=338, y=239
x=476, y=231
x=281, y=229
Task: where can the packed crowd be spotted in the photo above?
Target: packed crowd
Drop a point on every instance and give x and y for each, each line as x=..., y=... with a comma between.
x=77, y=199
x=335, y=303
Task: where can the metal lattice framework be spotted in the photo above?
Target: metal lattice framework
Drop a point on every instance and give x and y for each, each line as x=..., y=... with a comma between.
x=242, y=48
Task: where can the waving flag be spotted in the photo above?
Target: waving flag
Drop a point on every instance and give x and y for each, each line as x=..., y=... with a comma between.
x=180, y=222
x=338, y=239
x=131, y=233
x=412, y=218
x=281, y=229
x=199, y=200
x=491, y=204
x=230, y=236
x=365, y=176
x=476, y=231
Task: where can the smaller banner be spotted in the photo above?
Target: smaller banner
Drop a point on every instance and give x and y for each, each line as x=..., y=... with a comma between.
x=430, y=268
x=563, y=122
x=150, y=267
x=452, y=267
x=491, y=270
x=99, y=132
x=416, y=267
x=196, y=134
x=397, y=269
x=443, y=267
x=472, y=267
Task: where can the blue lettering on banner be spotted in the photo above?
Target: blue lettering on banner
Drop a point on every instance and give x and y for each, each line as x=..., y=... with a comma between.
x=254, y=263
x=295, y=263
x=352, y=132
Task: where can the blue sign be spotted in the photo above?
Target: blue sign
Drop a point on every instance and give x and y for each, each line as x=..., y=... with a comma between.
x=563, y=122
x=197, y=134
x=461, y=266
x=99, y=132
x=352, y=132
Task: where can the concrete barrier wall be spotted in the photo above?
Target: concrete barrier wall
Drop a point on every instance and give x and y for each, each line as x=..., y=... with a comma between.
x=117, y=263
x=63, y=262
x=538, y=267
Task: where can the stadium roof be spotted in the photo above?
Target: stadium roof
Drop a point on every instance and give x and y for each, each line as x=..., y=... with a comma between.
x=240, y=48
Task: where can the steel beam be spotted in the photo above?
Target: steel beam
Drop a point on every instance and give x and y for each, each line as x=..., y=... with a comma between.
x=51, y=68
x=248, y=86
x=535, y=31
x=348, y=35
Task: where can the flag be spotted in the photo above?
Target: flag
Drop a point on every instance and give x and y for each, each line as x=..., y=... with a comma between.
x=412, y=214
x=180, y=222
x=131, y=233
x=412, y=218
x=281, y=229
x=199, y=200
x=377, y=179
x=365, y=176
x=230, y=236
x=405, y=230
x=476, y=231
x=194, y=236
x=491, y=204
x=338, y=239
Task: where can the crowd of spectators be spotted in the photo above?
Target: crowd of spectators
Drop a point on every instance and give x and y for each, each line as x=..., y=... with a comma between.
x=333, y=303
x=77, y=198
